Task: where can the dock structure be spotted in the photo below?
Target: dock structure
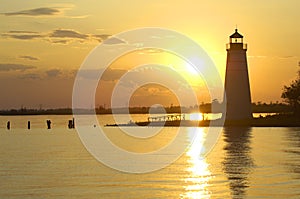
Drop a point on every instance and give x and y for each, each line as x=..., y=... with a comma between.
x=167, y=118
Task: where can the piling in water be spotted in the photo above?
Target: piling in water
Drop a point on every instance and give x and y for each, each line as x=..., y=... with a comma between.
x=48, y=124
x=71, y=124
x=8, y=125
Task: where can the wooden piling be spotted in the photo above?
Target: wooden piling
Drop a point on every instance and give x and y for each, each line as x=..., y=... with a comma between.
x=8, y=125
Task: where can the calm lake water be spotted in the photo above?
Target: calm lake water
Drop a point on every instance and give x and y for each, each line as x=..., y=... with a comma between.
x=245, y=163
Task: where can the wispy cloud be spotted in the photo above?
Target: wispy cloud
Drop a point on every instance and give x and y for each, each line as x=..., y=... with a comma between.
x=54, y=11
x=30, y=72
x=63, y=36
x=15, y=67
x=113, y=41
x=53, y=72
x=30, y=76
x=287, y=57
x=78, y=17
x=61, y=41
x=107, y=39
x=107, y=75
x=22, y=35
x=22, y=32
x=101, y=37
x=112, y=74
x=28, y=57
x=273, y=57
x=257, y=56
x=35, y=12
x=66, y=33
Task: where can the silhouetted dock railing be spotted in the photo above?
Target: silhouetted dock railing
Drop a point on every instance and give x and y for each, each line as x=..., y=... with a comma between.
x=165, y=118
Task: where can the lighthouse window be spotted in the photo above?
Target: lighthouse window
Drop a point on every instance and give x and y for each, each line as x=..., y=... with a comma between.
x=236, y=40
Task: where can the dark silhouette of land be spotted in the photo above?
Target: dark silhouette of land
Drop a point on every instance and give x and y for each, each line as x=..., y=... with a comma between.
x=203, y=108
x=283, y=117
x=280, y=120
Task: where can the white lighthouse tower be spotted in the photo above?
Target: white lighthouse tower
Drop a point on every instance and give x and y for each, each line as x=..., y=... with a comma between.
x=237, y=88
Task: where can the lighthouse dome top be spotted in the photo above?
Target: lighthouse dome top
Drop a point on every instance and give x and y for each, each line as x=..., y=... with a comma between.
x=236, y=34
x=236, y=42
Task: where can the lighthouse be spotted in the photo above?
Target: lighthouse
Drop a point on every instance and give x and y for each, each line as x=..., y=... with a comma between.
x=237, y=87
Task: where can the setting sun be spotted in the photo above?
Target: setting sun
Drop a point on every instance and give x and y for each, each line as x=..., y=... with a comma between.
x=196, y=116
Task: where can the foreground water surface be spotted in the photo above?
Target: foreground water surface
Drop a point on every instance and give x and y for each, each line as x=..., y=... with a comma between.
x=244, y=163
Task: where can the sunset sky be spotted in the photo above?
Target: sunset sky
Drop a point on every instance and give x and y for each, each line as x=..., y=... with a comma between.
x=43, y=43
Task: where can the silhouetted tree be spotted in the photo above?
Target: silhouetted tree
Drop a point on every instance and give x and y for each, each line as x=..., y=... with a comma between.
x=291, y=94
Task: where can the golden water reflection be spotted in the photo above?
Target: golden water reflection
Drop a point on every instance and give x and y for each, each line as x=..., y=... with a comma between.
x=198, y=177
x=238, y=162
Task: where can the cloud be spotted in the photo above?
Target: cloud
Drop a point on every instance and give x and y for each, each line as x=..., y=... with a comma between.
x=101, y=37
x=91, y=74
x=62, y=36
x=107, y=75
x=112, y=74
x=35, y=12
x=66, y=33
x=257, y=56
x=53, y=72
x=46, y=11
x=287, y=57
x=108, y=39
x=78, y=17
x=25, y=37
x=31, y=76
x=22, y=32
x=15, y=67
x=162, y=75
x=153, y=90
x=273, y=57
x=61, y=41
x=113, y=41
x=31, y=58
x=22, y=35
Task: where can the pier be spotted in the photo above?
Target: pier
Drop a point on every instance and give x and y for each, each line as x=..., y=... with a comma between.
x=166, y=118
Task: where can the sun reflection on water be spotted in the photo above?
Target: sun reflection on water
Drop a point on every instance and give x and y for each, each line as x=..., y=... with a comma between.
x=197, y=180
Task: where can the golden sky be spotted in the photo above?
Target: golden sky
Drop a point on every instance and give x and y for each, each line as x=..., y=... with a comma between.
x=43, y=43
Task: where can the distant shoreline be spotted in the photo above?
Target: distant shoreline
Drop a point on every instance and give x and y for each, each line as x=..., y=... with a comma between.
x=203, y=108
x=270, y=121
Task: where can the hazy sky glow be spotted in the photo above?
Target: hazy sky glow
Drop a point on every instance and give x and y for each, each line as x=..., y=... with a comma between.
x=43, y=43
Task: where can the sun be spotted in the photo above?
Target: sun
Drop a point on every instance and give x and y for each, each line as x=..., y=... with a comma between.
x=196, y=116
x=185, y=69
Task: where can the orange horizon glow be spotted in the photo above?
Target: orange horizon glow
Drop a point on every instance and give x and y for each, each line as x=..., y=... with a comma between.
x=40, y=53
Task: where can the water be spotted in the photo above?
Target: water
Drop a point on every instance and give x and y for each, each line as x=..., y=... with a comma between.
x=245, y=163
